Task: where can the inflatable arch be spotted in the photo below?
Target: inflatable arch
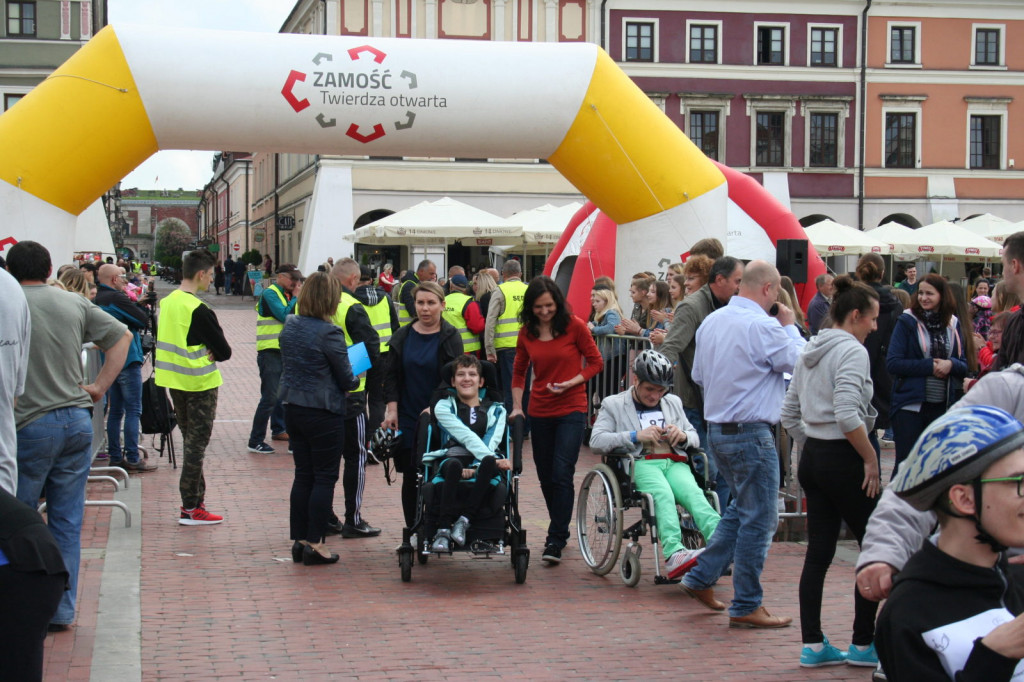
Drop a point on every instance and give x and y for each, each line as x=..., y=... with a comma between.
x=133, y=90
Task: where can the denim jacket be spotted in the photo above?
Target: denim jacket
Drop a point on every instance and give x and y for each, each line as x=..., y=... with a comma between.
x=316, y=372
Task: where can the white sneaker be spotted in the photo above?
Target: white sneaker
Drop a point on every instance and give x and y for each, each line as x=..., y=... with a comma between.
x=680, y=563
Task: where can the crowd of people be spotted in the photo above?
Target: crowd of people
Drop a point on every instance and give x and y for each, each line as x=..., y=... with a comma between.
x=719, y=356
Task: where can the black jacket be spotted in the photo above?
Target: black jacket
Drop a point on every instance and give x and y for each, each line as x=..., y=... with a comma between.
x=449, y=349
x=935, y=590
x=877, y=343
x=357, y=323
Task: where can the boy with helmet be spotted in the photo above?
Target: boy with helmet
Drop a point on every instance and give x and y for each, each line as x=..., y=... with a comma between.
x=648, y=421
x=955, y=609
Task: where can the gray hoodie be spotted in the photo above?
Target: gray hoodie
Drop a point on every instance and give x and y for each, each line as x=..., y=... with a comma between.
x=830, y=394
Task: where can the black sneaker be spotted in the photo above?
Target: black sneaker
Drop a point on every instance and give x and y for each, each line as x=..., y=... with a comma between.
x=334, y=526
x=552, y=555
x=359, y=530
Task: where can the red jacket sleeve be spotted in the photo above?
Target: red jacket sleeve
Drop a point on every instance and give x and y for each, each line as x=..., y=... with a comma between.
x=588, y=349
x=522, y=361
x=474, y=320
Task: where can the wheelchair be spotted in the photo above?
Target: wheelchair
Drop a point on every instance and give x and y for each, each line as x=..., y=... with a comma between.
x=498, y=530
x=607, y=492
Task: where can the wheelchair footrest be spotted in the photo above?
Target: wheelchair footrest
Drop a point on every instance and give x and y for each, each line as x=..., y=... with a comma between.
x=485, y=548
x=664, y=580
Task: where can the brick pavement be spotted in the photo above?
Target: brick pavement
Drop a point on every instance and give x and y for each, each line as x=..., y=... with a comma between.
x=226, y=602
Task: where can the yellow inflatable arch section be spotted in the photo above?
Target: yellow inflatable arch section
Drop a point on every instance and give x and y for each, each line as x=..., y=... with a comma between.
x=134, y=90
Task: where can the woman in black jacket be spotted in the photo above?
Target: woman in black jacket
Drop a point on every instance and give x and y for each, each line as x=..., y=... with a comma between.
x=418, y=352
x=871, y=270
x=315, y=377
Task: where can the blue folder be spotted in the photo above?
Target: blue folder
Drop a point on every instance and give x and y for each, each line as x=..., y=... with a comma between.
x=359, y=358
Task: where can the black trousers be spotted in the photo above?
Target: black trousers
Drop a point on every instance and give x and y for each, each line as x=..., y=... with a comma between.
x=831, y=473
x=315, y=437
x=907, y=426
x=354, y=478
x=29, y=602
x=450, y=505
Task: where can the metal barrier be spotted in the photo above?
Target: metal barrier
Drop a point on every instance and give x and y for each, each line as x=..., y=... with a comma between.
x=618, y=352
x=92, y=360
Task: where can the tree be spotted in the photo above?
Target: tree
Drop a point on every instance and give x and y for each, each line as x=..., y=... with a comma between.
x=252, y=257
x=172, y=238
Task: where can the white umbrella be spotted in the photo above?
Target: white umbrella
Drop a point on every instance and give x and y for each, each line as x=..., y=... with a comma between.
x=439, y=222
x=542, y=227
x=947, y=239
x=833, y=239
x=897, y=236
x=990, y=227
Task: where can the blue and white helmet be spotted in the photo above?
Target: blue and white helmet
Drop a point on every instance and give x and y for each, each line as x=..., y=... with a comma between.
x=956, y=448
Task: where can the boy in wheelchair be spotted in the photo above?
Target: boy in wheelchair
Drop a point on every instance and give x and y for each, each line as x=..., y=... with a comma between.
x=473, y=431
x=648, y=421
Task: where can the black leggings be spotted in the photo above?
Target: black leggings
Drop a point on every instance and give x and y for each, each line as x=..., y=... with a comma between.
x=30, y=601
x=450, y=506
x=831, y=473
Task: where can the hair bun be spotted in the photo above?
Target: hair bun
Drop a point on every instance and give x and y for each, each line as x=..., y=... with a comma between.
x=843, y=283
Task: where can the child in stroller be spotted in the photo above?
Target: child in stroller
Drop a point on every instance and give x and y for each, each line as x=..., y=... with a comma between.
x=473, y=425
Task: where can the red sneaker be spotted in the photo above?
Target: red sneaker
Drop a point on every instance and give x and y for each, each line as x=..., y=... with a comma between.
x=198, y=517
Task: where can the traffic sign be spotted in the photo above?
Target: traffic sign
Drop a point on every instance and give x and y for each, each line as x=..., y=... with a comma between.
x=236, y=247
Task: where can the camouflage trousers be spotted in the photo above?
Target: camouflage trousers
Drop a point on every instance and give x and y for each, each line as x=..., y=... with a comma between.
x=195, y=412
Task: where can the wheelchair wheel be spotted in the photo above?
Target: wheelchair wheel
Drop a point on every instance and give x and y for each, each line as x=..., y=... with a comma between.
x=599, y=519
x=421, y=558
x=629, y=569
x=405, y=563
x=692, y=538
x=521, y=562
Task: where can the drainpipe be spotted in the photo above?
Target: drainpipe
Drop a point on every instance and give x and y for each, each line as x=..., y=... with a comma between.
x=248, y=170
x=863, y=112
x=277, y=202
x=603, y=43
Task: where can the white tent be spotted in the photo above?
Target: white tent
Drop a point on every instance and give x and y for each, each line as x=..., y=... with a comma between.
x=897, y=236
x=990, y=227
x=440, y=222
x=832, y=239
x=944, y=238
x=542, y=228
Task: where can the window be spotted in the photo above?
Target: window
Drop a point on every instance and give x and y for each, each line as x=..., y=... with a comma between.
x=21, y=19
x=824, y=140
x=824, y=46
x=986, y=47
x=771, y=138
x=639, y=42
x=704, y=132
x=771, y=45
x=902, y=45
x=986, y=150
x=703, y=44
x=11, y=100
x=900, y=140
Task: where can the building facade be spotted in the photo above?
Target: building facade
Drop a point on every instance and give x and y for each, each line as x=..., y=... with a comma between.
x=142, y=212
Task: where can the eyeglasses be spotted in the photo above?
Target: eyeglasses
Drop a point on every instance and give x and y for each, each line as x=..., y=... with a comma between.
x=1007, y=479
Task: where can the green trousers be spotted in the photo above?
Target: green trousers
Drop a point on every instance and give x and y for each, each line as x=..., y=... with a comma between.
x=670, y=483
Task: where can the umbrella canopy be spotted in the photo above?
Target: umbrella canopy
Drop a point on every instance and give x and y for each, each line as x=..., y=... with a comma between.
x=990, y=227
x=439, y=222
x=542, y=227
x=897, y=236
x=833, y=239
x=946, y=239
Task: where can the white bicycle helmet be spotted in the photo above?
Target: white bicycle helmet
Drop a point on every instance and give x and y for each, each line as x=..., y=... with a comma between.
x=654, y=368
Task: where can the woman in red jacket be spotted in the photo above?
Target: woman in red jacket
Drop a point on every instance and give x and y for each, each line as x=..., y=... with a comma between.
x=564, y=357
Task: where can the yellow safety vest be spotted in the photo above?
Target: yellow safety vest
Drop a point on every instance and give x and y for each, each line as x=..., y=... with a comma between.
x=177, y=364
x=268, y=327
x=506, y=331
x=454, y=304
x=404, y=317
x=347, y=301
x=380, y=320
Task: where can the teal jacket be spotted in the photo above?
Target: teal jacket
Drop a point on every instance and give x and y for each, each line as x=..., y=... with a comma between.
x=452, y=428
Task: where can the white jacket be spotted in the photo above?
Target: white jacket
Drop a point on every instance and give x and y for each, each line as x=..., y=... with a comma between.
x=618, y=418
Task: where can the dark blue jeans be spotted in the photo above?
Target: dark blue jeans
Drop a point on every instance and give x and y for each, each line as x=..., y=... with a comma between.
x=124, y=402
x=54, y=454
x=556, y=447
x=316, y=438
x=270, y=408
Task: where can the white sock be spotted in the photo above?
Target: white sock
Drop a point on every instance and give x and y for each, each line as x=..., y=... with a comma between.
x=816, y=647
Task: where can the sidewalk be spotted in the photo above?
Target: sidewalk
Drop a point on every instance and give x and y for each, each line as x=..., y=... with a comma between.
x=226, y=602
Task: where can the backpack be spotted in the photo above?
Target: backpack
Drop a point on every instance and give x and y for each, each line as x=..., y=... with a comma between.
x=157, y=411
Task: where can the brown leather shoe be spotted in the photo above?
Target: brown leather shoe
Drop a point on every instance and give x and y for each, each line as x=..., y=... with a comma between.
x=759, y=619
x=705, y=597
x=280, y=436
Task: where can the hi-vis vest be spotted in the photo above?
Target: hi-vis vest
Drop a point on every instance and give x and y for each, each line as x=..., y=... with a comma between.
x=347, y=301
x=380, y=320
x=268, y=328
x=506, y=331
x=177, y=364
x=404, y=317
x=454, y=305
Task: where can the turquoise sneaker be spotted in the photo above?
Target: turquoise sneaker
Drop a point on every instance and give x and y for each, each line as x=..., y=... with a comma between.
x=829, y=655
x=865, y=656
